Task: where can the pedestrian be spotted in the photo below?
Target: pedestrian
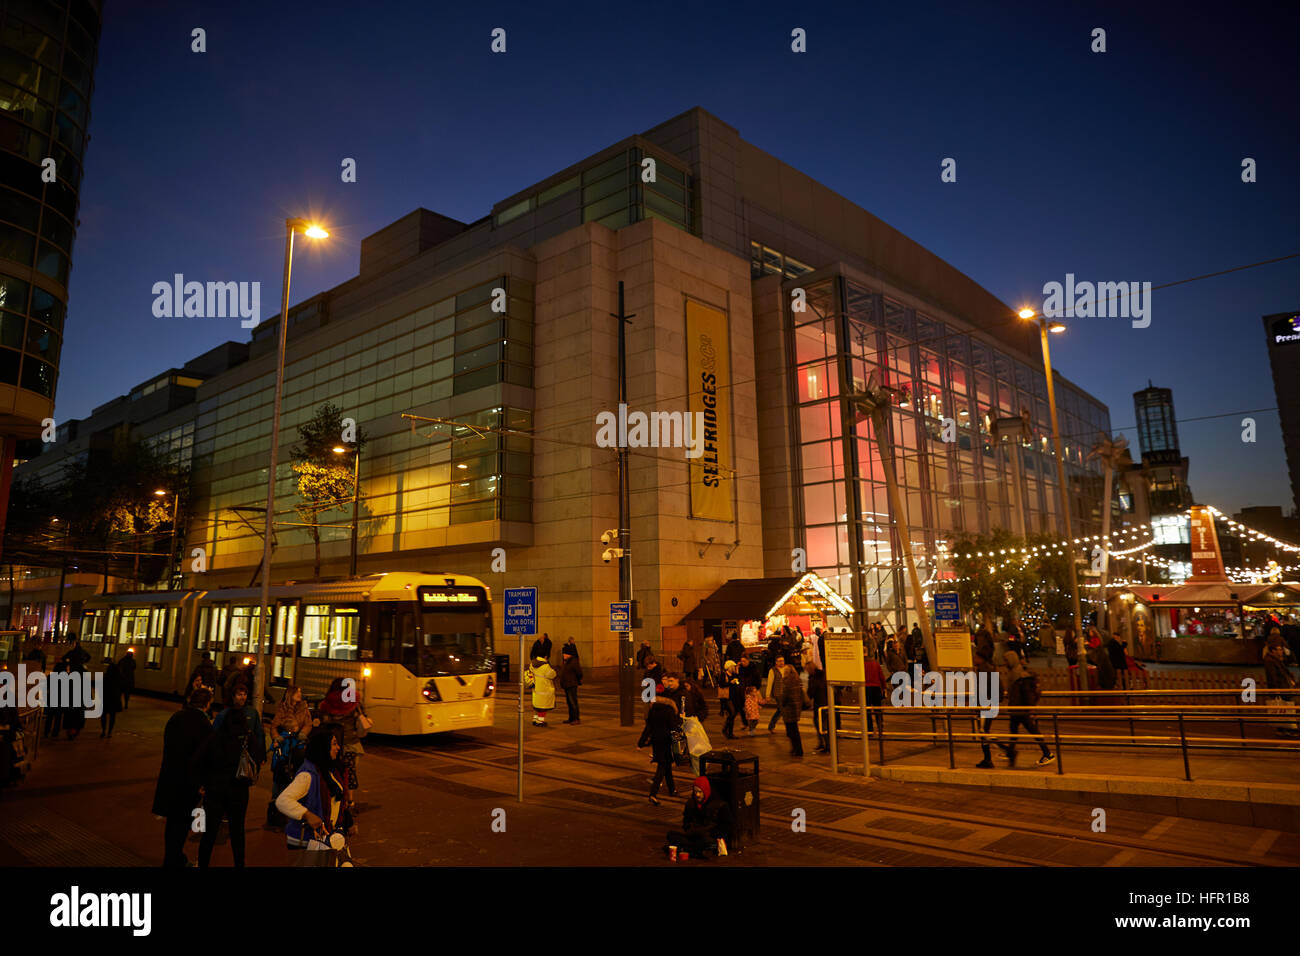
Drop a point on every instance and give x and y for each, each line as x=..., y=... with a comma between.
x=291, y=725
x=570, y=647
x=541, y=648
x=731, y=698
x=227, y=764
x=749, y=681
x=735, y=648
x=126, y=669
x=1022, y=691
x=775, y=649
x=984, y=643
x=206, y=672
x=542, y=677
x=918, y=644
x=341, y=706
x=76, y=658
x=1071, y=642
x=314, y=801
x=706, y=824
x=984, y=665
x=74, y=711
x=570, y=681
x=1115, y=651
x=818, y=693
x=642, y=651
x=1100, y=659
x=772, y=693
x=712, y=661
x=36, y=656
x=55, y=712
x=292, y=716
x=690, y=665
x=791, y=703
x=661, y=719
x=653, y=669
x=1277, y=676
x=876, y=681
x=112, y=702
x=177, y=791
x=894, y=659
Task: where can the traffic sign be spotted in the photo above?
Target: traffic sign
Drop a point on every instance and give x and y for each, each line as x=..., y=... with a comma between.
x=521, y=611
x=947, y=608
x=620, y=616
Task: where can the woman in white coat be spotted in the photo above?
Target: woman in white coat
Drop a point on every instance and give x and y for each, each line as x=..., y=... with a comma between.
x=543, y=690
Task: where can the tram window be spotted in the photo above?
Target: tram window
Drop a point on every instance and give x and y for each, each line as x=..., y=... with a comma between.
x=243, y=629
x=452, y=643
x=286, y=628
x=315, y=630
x=201, y=632
x=173, y=616
x=345, y=629
x=217, y=636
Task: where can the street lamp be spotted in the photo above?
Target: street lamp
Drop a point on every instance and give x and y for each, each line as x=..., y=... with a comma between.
x=356, y=491
x=312, y=231
x=1045, y=326
x=176, y=507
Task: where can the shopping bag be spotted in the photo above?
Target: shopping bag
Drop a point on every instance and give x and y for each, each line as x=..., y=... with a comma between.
x=697, y=741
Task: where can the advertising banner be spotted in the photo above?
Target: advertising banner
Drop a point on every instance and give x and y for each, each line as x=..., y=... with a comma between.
x=1207, y=561
x=708, y=377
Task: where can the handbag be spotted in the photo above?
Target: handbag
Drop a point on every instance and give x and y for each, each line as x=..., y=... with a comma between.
x=680, y=747
x=364, y=723
x=248, y=770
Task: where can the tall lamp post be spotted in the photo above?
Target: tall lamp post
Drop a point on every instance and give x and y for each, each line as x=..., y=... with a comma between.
x=176, y=507
x=356, y=492
x=1044, y=327
x=314, y=232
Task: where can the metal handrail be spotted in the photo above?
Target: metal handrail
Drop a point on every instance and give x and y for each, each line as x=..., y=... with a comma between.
x=1207, y=713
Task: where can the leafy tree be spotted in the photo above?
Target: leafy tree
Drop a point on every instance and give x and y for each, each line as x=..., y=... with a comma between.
x=323, y=476
x=993, y=584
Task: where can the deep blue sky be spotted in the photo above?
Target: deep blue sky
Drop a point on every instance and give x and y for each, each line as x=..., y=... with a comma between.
x=1115, y=166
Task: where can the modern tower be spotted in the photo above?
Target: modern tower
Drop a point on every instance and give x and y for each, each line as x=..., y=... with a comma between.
x=1283, y=329
x=47, y=64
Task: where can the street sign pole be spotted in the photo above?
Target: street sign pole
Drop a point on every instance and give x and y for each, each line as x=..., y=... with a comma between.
x=521, y=619
x=519, y=788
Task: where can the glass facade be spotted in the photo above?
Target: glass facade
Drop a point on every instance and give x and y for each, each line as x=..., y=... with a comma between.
x=409, y=482
x=1157, y=431
x=47, y=60
x=944, y=379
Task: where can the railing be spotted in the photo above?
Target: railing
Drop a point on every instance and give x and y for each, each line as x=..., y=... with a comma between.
x=1183, y=714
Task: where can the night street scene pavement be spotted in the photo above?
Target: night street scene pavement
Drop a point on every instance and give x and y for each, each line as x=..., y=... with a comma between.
x=540, y=449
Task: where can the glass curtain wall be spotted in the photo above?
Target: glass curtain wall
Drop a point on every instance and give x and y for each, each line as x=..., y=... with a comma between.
x=944, y=382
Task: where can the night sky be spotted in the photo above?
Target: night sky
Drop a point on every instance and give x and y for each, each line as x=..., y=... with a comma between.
x=1117, y=166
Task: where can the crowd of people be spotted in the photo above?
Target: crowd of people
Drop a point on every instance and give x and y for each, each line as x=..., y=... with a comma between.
x=214, y=749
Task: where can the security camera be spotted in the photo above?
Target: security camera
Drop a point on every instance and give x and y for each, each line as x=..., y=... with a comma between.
x=610, y=554
x=609, y=537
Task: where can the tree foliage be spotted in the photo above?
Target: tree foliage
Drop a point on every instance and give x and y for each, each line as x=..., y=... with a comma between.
x=324, y=477
x=995, y=578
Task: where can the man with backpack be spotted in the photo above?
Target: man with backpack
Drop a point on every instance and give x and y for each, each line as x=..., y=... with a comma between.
x=1022, y=691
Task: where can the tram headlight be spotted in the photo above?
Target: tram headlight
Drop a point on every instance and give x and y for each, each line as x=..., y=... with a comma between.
x=492, y=685
x=430, y=692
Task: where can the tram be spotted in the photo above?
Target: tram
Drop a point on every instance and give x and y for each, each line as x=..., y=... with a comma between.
x=419, y=646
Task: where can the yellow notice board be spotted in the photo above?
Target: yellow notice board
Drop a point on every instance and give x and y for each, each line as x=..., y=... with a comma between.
x=953, y=649
x=844, y=661
x=708, y=376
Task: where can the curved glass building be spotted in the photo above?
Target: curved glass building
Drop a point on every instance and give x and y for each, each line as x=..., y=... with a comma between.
x=47, y=62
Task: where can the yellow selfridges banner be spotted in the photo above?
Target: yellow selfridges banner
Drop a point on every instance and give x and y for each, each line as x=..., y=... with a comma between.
x=708, y=376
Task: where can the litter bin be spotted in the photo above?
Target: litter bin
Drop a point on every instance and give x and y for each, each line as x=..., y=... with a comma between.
x=503, y=666
x=736, y=781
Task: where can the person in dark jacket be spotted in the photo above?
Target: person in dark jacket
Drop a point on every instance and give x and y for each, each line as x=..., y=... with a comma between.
x=735, y=648
x=686, y=696
x=541, y=648
x=661, y=719
x=1100, y=659
x=641, y=653
x=1118, y=660
x=1022, y=691
x=225, y=793
x=791, y=702
x=984, y=643
x=690, y=664
x=1071, y=642
x=112, y=698
x=1278, y=676
x=818, y=693
x=126, y=668
x=74, y=717
x=206, y=672
x=776, y=681
x=570, y=647
x=894, y=659
x=734, y=703
x=706, y=822
x=570, y=679
x=653, y=669
x=76, y=658
x=985, y=665
x=177, y=792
